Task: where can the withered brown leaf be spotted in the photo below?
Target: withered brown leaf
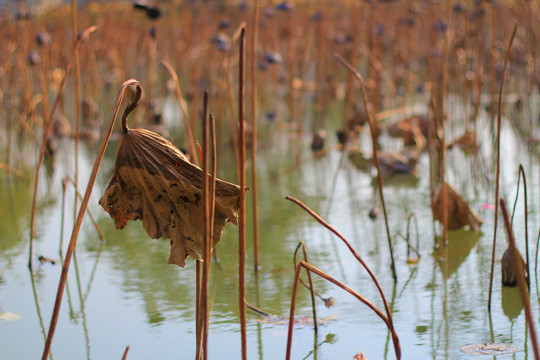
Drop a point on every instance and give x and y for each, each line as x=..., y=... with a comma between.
x=153, y=181
x=459, y=212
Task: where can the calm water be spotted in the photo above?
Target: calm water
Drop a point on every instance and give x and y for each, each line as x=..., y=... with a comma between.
x=123, y=292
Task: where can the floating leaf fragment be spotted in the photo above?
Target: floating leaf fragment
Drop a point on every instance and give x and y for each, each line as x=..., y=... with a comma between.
x=153, y=181
x=7, y=316
x=489, y=349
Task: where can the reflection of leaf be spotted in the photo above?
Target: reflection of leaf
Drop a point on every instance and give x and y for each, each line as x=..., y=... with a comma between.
x=511, y=302
x=154, y=182
x=459, y=212
x=451, y=256
x=9, y=316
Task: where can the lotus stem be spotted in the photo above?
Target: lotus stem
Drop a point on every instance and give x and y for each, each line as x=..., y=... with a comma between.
x=84, y=204
x=498, y=168
x=242, y=210
x=375, y=156
x=46, y=133
x=518, y=270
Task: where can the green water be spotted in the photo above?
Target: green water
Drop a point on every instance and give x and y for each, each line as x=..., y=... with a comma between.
x=122, y=292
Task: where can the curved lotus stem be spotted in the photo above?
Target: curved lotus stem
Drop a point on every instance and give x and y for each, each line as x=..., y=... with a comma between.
x=84, y=204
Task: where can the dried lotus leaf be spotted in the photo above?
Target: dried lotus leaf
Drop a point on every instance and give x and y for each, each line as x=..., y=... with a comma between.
x=154, y=182
x=459, y=212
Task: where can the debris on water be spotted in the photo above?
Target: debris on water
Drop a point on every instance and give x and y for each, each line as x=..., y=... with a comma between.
x=467, y=142
x=489, y=349
x=43, y=259
x=329, y=302
x=374, y=213
x=397, y=163
x=359, y=356
x=318, y=140
x=7, y=316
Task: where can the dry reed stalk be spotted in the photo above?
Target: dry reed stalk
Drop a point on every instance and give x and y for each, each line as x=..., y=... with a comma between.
x=124, y=357
x=520, y=275
x=444, y=89
x=77, y=98
x=187, y=125
x=84, y=204
x=375, y=155
x=310, y=287
x=242, y=182
x=26, y=128
x=351, y=249
x=349, y=94
x=212, y=200
x=254, y=186
x=315, y=270
x=230, y=97
x=46, y=134
x=202, y=285
x=10, y=170
x=498, y=168
x=521, y=173
x=432, y=136
x=38, y=309
x=68, y=179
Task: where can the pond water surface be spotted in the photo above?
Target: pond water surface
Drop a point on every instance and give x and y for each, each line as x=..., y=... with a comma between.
x=122, y=292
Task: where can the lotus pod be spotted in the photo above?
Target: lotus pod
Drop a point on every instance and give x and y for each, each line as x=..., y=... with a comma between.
x=153, y=181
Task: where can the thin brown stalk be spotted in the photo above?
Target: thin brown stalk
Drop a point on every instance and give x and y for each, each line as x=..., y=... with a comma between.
x=443, y=120
x=124, y=357
x=84, y=204
x=211, y=210
x=202, y=293
x=375, y=156
x=46, y=134
x=432, y=136
x=10, y=170
x=315, y=270
x=77, y=98
x=520, y=275
x=242, y=210
x=254, y=187
x=521, y=174
x=67, y=179
x=351, y=249
x=310, y=287
x=24, y=125
x=187, y=125
x=230, y=98
x=498, y=168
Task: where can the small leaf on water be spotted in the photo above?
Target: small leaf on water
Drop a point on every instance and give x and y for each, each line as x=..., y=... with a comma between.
x=9, y=316
x=489, y=349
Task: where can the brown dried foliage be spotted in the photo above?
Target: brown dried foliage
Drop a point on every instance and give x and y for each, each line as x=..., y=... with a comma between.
x=459, y=212
x=153, y=181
